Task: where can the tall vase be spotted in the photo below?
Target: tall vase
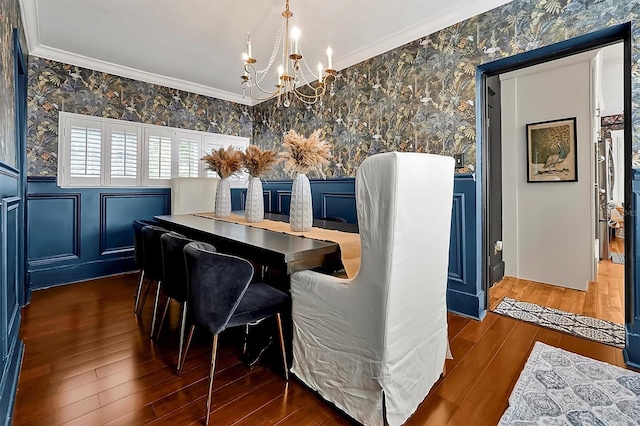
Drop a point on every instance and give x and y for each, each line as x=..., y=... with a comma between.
x=223, y=199
x=300, y=212
x=254, y=208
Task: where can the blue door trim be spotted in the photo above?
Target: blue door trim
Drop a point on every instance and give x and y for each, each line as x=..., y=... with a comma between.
x=598, y=39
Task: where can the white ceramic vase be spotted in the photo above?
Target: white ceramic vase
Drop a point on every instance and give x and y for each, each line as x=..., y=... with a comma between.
x=301, y=211
x=223, y=199
x=254, y=207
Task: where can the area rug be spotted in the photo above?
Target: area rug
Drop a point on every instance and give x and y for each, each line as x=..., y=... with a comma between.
x=617, y=257
x=602, y=331
x=557, y=387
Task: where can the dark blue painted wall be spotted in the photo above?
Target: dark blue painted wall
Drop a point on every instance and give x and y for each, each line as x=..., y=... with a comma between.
x=336, y=197
x=76, y=234
x=632, y=349
x=81, y=233
x=12, y=227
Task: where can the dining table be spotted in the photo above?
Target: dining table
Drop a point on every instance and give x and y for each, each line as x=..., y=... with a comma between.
x=275, y=250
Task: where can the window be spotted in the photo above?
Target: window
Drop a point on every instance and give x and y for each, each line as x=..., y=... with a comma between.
x=95, y=151
x=188, y=156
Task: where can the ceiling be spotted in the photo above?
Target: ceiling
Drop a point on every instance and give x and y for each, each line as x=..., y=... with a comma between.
x=196, y=45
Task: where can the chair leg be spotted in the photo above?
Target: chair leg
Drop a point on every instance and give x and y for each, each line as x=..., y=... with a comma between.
x=164, y=315
x=139, y=290
x=155, y=308
x=211, y=374
x=144, y=298
x=246, y=339
x=183, y=326
x=284, y=353
x=186, y=349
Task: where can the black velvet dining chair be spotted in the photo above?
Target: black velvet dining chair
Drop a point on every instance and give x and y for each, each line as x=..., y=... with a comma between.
x=152, y=264
x=220, y=296
x=174, y=279
x=138, y=255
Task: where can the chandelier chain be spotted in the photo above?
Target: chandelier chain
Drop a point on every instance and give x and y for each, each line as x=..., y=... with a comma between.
x=274, y=53
x=292, y=78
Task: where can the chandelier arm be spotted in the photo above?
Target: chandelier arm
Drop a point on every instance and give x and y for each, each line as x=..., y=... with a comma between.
x=250, y=69
x=292, y=83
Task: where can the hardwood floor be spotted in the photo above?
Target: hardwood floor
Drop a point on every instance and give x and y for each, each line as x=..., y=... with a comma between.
x=88, y=361
x=604, y=299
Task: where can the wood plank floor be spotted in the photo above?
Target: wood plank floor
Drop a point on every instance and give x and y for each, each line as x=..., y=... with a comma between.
x=88, y=361
x=604, y=299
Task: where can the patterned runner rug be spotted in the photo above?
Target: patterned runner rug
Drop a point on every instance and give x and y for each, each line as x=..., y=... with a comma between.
x=617, y=257
x=602, y=331
x=557, y=387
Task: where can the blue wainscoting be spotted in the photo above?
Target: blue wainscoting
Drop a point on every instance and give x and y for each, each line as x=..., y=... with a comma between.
x=336, y=197
x=76, y=234
x=632, y=348
x=331, y=197
x=11, y=287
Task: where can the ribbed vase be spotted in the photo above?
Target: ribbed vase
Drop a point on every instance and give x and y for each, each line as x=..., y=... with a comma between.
x=223, y=199
x=254, y=208
x=301, y=211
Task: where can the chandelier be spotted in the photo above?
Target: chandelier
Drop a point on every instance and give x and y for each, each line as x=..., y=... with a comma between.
x=291, y=79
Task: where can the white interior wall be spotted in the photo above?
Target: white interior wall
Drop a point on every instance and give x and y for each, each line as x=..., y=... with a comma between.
x=613, y=80
x=548, y=228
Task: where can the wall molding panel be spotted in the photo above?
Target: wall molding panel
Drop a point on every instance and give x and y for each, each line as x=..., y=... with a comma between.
x=44, y=204
x=456, y=252
x=335, y=204
x=110, y=225
x=9, y=247
x=88, y=230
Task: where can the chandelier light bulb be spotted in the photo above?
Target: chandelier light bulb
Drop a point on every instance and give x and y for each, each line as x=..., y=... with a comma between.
x=280, y=72
x=295, y=36
x=245, y=56
x=329, y=58
x=319, y=71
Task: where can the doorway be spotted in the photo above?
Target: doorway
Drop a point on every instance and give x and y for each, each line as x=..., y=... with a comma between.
x=605, y=296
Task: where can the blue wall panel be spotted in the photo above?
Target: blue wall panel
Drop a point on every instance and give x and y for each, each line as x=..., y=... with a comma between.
x=77, y=234
x=53, y=221
x=339, y=204
x=336, y=197
x=118, y=211
x=82, y=233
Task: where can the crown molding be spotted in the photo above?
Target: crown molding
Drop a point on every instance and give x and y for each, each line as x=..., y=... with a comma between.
x=30, y=20
x=47, y=52
x=413, y=33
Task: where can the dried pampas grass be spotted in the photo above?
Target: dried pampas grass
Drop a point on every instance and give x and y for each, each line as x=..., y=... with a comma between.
x=258, y=162
x=304, y=155
x=225, y=162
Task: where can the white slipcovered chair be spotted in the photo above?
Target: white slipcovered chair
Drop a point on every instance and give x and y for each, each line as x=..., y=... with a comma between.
x=374, y=345
x=193, y=195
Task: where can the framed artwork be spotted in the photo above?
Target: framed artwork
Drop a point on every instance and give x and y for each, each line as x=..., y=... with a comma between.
x=551, y=151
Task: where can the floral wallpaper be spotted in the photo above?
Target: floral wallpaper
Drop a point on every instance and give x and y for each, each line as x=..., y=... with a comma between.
x=9, y=19
x=417, y=97
x=55, y=87
x=421, y=96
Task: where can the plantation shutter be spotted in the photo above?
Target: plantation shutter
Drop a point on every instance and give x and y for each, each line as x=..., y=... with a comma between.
x=210, y=144
x=124, y=144
x=85, y=150
x=159, y=152
x=188, y=155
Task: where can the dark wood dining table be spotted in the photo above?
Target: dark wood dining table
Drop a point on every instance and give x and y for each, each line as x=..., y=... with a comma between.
x=275, y=250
